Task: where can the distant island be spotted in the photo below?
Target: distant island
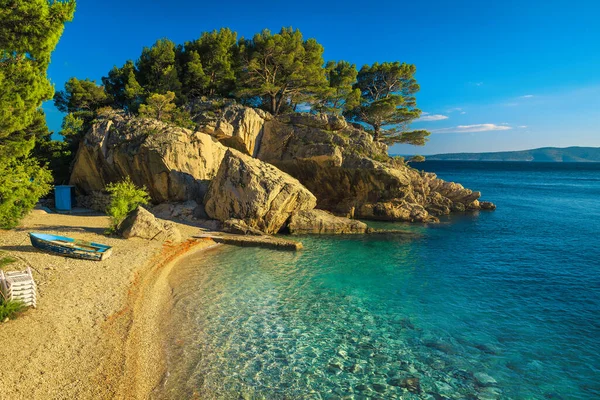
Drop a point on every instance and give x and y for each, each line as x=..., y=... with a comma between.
x=544, y=154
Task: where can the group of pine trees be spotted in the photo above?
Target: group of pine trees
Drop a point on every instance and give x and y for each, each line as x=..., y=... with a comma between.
x=279, y=73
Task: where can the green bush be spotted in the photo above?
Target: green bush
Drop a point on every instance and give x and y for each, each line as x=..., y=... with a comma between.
x=124, y=198
x=417, y=158
x=397, y=161
x=4, y=261
x=22, y=183
x=380, y=157
x=10, y=309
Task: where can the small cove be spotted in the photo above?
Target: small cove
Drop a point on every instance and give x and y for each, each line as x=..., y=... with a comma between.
x=500, y=304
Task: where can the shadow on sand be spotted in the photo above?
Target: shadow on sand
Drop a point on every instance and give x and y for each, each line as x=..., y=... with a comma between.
x=64, y=228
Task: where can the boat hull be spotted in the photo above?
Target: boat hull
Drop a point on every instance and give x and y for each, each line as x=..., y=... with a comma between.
x=69, y=247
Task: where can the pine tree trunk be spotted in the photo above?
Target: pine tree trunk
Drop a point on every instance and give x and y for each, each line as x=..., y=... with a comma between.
x=273, y=105
x=377, y=131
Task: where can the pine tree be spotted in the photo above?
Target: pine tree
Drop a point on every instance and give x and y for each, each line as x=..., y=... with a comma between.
x=81, y=95
x=339, y=95
x=157, y=70
x=123, y=88
x=159, y=106
x=29, y=32
x=195, y=82
x=216, y=50
x=80, y=100
x=280, y=70
x=388, y=103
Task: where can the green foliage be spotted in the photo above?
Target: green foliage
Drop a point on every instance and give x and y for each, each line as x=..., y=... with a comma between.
x=55, y=155
x=81, y=99
x=4, y=261
x=380, y=157
x=29, y=31
x=124, y=198
x=416, y=158
x=52, y=154
x=388, y=103
x=156, y=69
x=396, y=161
x=209, y=64
x=339, y=96
x=72, y=126
x=159, y=106
x=122, y=87
x=195, y=81
x=10, y=309
x=280, y=70
x=182, y=118
x=80, y=95
x=22, y=183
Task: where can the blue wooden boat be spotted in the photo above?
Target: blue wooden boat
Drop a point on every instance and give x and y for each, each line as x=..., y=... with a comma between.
x=70, y=247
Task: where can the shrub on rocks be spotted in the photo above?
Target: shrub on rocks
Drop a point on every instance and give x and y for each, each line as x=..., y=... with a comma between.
x=124, y=198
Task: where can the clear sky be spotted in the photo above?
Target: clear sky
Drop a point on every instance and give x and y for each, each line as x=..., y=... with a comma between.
x=494, y=75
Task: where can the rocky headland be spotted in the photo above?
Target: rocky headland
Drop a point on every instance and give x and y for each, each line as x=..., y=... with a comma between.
x=302, y=173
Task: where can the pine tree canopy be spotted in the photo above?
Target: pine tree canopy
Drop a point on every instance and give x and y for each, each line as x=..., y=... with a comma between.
x=281, y=69
x=156, y=68
x=29, y=32
x=388, y=103
x=339, y=95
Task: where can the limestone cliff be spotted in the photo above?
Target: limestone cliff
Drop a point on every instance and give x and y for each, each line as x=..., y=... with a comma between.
x=236, y=126
x=315, y=160
x=173, y=163
x=348, y=172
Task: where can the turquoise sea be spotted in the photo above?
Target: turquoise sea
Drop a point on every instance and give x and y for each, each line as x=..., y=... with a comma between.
x=491, y=305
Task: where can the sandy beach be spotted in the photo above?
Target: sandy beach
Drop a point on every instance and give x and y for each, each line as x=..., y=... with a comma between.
x=96, y=331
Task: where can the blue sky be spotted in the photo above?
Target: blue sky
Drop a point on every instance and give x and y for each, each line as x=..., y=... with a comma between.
x=494, y=76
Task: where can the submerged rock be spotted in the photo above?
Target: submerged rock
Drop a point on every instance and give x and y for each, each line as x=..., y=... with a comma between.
x=142, y=224
x=484, y=379
x=412, y=384
x=379, y=387
x=319, y=221
x=256, y=192
x=440, y=346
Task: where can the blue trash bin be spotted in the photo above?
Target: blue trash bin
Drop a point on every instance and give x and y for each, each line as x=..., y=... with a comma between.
x=62, y=197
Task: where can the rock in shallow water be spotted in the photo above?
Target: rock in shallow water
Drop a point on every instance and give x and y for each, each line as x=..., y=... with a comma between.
x=379, y=387
x=484, y=379
x=487, y=205
x=412, y=384
x=319, y=221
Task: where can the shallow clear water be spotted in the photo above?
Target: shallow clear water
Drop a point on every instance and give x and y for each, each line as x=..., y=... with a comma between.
x=511, y=295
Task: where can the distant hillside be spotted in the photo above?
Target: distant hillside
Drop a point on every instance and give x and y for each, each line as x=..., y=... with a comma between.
x=544, y=154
